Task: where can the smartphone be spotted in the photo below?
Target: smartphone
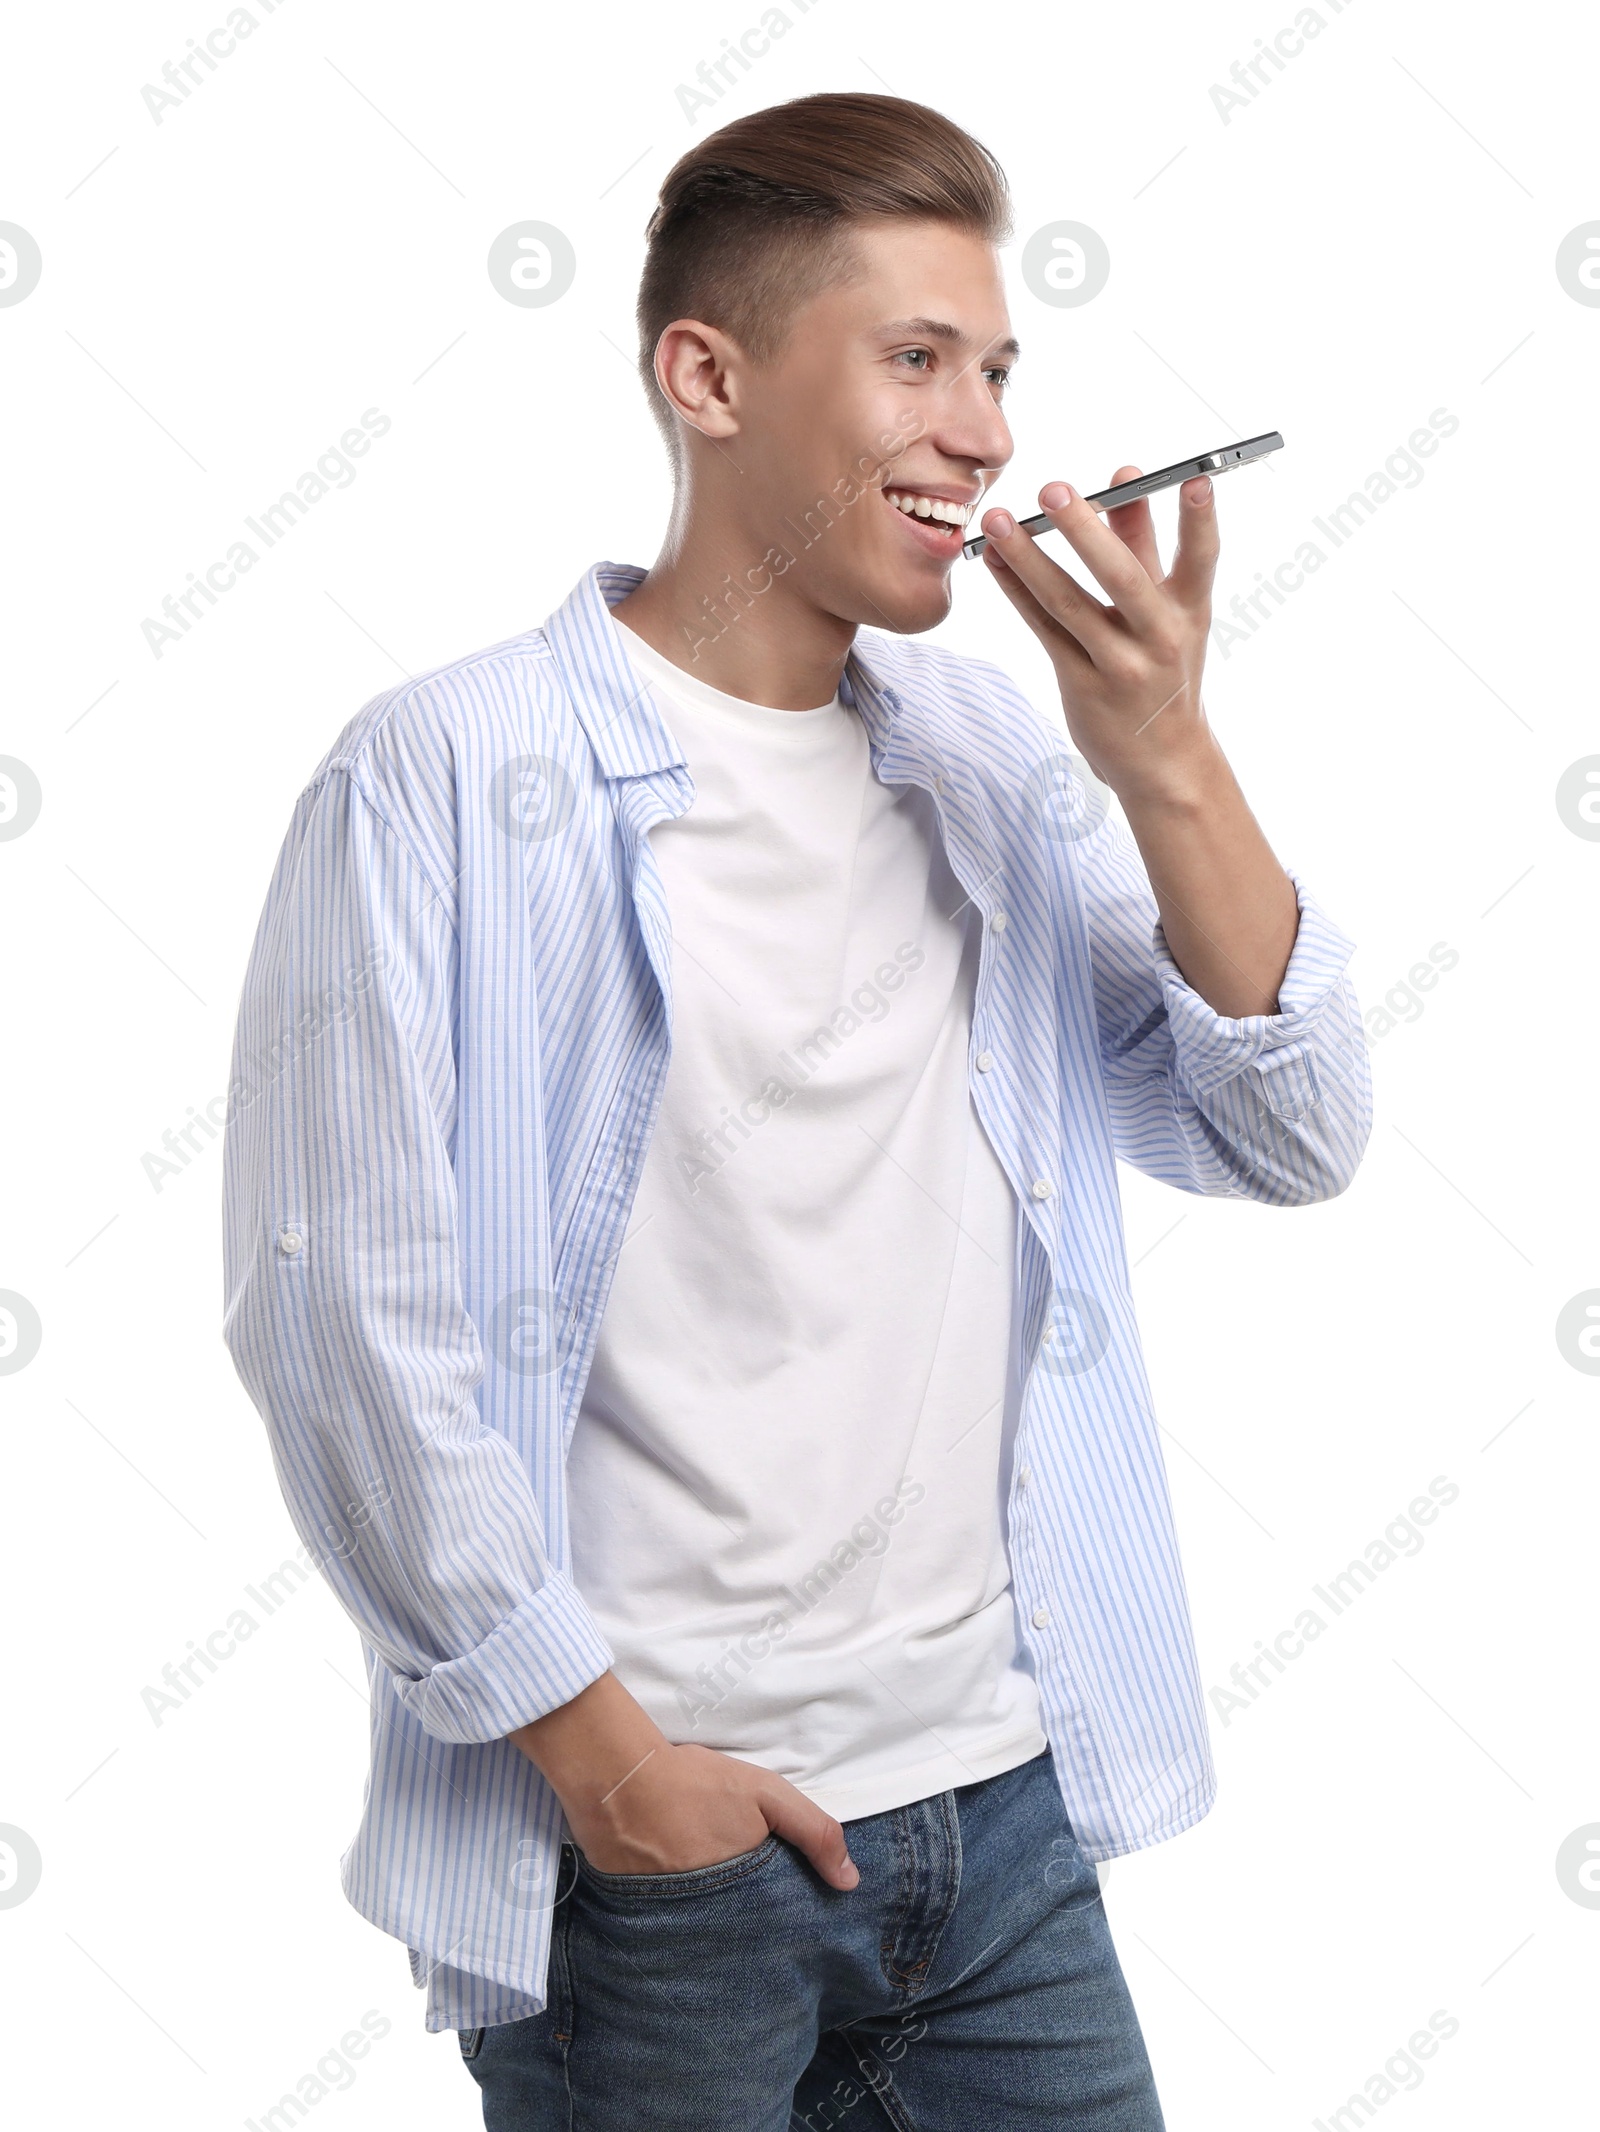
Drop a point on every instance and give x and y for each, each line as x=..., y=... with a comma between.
x=1166, y=477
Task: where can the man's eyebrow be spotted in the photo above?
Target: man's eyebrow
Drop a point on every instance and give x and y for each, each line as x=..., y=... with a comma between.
x=939, y=329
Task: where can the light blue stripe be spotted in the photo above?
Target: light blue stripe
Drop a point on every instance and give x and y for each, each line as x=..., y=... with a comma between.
x=471, y=1027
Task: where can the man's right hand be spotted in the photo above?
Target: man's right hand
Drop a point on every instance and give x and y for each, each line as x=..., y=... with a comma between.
x=638, y=1804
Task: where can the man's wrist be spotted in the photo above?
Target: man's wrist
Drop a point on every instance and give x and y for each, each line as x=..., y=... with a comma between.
x=585, y=1748
x=1177, y=785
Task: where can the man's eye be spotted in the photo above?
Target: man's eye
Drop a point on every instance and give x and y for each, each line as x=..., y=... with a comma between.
x=918, y=358
x=998, y=374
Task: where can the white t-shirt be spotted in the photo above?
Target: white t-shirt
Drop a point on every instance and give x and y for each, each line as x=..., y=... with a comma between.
x=786, y=1479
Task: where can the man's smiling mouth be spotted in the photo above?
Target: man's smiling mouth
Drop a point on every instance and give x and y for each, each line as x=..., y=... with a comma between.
x=942, y=510
x=936, y=523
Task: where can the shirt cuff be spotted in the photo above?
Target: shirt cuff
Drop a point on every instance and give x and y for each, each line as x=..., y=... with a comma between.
x=541, y=1656
x=1212, y=1048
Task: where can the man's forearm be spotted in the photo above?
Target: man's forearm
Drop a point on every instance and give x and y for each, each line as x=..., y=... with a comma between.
x=1228, y=909
x=592, y=1744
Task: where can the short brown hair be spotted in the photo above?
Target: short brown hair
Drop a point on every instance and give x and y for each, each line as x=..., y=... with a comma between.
x=755, y=219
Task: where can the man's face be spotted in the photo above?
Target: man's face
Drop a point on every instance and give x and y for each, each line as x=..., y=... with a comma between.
x=887, y=390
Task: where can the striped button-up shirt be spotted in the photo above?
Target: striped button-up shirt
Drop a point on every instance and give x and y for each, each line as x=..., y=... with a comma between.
x=454, y=1033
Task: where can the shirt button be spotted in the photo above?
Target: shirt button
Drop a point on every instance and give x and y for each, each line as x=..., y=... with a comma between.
x=1024, y=1476
x=1041, y=1188
x=290, y=1241
x=997, y=924
x=938, y=786
x=985, y=1061
x=1041, y=1617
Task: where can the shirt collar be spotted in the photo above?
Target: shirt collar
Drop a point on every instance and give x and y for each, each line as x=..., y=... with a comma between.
x=629, y=735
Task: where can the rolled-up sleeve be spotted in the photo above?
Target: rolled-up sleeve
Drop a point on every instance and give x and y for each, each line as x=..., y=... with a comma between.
x=1272, y=1107
x=344, y=1293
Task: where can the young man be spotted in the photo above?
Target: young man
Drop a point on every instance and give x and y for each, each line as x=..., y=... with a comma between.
x=673, y=1232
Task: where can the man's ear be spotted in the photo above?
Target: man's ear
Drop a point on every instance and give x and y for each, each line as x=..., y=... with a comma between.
x=696, y=369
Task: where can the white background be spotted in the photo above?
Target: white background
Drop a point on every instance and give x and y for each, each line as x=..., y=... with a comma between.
x=1373, y=237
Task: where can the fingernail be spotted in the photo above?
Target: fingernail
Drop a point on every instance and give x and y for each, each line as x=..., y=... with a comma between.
x=998, y=524
x=1200, y=491
x=1056, y=495
x=852, y=1873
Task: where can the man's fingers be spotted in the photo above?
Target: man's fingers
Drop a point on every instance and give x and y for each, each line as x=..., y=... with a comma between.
x=1133, y=525
x=791, y=1815
x=1060, y=596
x=1057, y=640
x=1135, y=594
x=1199, y=543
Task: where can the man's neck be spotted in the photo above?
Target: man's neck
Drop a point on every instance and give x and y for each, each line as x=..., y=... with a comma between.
x=699, y=606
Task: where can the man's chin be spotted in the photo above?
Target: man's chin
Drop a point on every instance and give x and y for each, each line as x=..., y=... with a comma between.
x=905, y=610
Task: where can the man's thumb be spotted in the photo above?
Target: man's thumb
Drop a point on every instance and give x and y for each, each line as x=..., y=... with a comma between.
x=792, y=1816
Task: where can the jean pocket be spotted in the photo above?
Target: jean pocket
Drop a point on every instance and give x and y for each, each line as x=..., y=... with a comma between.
x=471, y=2041
x=668, y=1887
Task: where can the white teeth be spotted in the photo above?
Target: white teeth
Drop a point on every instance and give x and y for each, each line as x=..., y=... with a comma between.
x=934, y=507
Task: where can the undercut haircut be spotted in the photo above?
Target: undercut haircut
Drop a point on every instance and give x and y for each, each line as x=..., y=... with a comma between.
x=756, y=220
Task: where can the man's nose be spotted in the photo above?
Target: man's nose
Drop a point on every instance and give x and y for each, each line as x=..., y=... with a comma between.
x=970, y=425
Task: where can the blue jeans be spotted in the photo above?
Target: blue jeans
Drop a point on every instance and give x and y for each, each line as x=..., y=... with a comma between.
x=968, y=1983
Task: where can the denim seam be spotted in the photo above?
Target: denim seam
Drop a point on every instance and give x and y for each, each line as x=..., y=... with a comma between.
x=560, y=1968
x=886, y=2098
x=927, y=1902
x=904, y=1898
x=563, y=1980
